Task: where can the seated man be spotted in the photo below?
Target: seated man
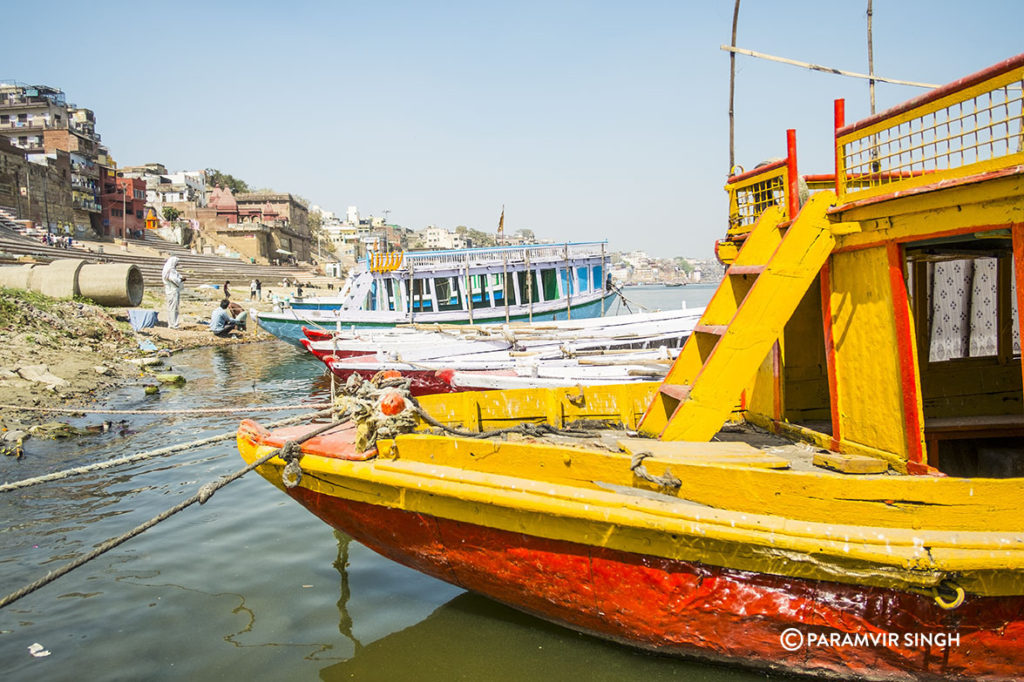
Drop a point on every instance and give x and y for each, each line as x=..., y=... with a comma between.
x=221, y=323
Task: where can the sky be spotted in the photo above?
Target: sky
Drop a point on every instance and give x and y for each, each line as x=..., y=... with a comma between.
x=584, y=120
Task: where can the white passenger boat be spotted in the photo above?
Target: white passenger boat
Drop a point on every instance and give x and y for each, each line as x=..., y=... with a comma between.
x=464, y=286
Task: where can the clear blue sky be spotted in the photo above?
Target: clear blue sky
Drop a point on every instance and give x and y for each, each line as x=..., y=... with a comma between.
x=586, y=120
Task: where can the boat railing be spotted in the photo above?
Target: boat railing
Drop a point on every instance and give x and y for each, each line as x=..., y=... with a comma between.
x=498, y=254
x=971, y=127
x=771, y=184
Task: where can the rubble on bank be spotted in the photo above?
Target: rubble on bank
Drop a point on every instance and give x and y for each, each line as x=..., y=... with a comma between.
x=68, y=353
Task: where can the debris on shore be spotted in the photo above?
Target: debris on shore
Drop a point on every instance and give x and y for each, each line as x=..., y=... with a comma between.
x=68, y=353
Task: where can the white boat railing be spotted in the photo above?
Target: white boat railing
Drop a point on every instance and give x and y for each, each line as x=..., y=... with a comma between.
x=499, y=254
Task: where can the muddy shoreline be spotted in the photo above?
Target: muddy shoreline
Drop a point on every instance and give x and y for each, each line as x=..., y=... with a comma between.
x=57, y=355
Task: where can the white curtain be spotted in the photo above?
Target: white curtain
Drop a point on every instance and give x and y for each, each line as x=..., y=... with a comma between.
x=964, y=310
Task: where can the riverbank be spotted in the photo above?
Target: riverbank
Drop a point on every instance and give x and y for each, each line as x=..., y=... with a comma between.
x=67, y=354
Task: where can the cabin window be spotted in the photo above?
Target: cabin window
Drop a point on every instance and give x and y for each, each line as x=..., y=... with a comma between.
x=393, y=290
x=502, y=289
x=964, y=301
x=496, y=293
x=566, y=275
x=448, y=293
x=478, y=291
x=389, y=295
x=598, y=281
x=583, y=277
x=421, y=299
x=549, y=282
x=528, y=287
x=371, y=302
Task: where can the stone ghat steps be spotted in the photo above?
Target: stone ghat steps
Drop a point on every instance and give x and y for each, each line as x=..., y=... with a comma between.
x=198, y=269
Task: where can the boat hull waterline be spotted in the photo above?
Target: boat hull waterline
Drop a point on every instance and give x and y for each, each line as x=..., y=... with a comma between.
x=697, y=611
x=782, y=622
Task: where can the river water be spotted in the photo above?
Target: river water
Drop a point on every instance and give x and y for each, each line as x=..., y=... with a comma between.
x=250, y=585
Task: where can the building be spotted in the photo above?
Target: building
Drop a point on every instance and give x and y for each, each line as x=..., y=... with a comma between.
x=124, y=206
x=433, y=238
x=38, y=120
x=184, y=191
x=260, y=226
x=35, y=193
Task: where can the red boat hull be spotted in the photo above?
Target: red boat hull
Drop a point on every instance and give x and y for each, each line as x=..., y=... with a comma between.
x=693, y=610
x=317, y=334
x=423, y=382
x=320, y=354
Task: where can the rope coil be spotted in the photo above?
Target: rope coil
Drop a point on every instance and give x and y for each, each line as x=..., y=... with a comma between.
x=291, y=475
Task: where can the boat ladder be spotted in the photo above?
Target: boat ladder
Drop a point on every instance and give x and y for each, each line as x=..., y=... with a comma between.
x=746, y=315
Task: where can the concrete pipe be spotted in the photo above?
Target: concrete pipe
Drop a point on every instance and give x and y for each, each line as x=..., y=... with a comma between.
x=58, y=279
x=112, y=284
x=16, y=276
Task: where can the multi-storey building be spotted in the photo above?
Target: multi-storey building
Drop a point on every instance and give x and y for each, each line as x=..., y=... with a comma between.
x=124, y=206
x=38, y=120
x=439, y=238
x=35, y=193
x=265, y=226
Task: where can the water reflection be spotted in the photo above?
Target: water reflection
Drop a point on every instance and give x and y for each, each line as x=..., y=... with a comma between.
x=242, y=587
x=471, y=637
x=341, y=565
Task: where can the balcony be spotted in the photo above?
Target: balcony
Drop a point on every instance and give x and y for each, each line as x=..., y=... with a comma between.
x=86, y=205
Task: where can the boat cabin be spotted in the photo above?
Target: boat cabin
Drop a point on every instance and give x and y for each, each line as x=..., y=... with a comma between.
x=905, y=343
x=480, y=282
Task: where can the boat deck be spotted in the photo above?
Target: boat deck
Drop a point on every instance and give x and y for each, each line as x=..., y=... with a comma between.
x=737, y=444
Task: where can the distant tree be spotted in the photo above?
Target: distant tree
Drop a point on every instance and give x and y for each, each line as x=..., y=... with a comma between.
x=170, y=213
x=217, y=179
x=684, y=265
x=482, y=238
x=315, y=221
x=527, y=235
x=321, y=239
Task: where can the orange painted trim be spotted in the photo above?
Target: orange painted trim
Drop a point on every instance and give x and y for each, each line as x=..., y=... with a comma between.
x=792, y=177
x=753, y=173
x=1018, y=269
x=932, y=235
x=825, y=280
x=905, y=349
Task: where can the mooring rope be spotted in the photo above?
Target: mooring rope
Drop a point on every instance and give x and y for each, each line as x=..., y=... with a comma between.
x=666, y=481
x=363, y=398
x=626, y=301
x=137, y=457
x=526, y=429
x=213, y=410
x=205, y=492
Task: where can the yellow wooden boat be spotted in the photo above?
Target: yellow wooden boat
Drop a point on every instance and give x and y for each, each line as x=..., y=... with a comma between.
x=830, y=480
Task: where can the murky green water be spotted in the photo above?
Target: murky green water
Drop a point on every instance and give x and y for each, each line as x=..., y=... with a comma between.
x=249, y=586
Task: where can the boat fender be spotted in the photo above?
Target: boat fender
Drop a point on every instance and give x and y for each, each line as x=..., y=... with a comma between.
x=392, y=403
